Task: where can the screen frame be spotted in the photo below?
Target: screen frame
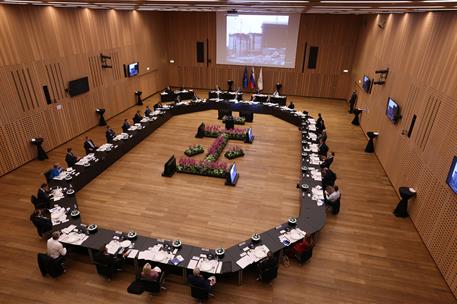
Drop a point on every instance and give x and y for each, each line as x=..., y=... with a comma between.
x=137, y=69
x=79, y=80
x=221, y=27
x=368, y=89
x=395, y=118
x=449, y=175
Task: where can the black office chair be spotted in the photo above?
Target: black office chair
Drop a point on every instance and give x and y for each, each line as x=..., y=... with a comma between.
x=154, y=286
x=302, y=258
x=336, y=206
x=48, y=265
x=37, y=204
x=268, y=274
x=199, y=293
x=105, y=270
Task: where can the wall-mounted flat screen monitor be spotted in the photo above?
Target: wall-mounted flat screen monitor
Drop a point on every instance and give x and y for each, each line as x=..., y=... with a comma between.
x=392, y=110
x=452, y=176
x=133, y=69
x=366, y=83
x=233, y=173
x=78, y=86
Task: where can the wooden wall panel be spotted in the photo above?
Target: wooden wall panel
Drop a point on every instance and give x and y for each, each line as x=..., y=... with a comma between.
x=334, y=35
x=51, y=46
x=421, y=52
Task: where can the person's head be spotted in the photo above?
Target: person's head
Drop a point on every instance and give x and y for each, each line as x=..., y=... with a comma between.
x=147, y=107
x=321, y=141
x=44, y=185
x=68, y=149
x=107, y=127
x=336, y=188
x=87, y=138
x=331, y=154
x=138, y=112
x=147, y=268
x=196, y=271
x=56, y=166
x=126, y=120
x=269, y=254
x=319, y=114
x=325, y=171
x=55, y=235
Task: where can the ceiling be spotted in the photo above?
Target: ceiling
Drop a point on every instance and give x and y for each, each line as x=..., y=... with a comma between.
x=287, y=6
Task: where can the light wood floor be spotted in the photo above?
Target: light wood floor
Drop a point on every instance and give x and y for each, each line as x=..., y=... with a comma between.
x=365, y=255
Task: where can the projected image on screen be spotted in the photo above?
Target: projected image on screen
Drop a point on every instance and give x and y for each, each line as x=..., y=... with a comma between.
x=258, y=40
x=452, y=176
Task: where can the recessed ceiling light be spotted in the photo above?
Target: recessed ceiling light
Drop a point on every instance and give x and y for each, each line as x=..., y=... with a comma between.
x=345, y=71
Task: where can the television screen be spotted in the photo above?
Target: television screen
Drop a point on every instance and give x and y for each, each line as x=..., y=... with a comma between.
x=452, y=176
x=78, y=86
x=133, y=69
x=366, y=83
x=233, y=173
x=392, y=110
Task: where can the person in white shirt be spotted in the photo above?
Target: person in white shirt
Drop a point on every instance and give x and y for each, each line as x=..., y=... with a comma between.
x=55, y=248
x=333, y=199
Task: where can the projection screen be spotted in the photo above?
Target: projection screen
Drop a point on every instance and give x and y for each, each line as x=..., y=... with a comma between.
x=257, y=40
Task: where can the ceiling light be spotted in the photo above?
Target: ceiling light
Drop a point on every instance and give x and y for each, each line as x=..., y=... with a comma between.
x=440, y=1
x=364, y=1
x=406, y=7
x=345, y=71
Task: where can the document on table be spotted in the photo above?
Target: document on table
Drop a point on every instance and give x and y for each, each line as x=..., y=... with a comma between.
x=192, y=264
x=133, y=253
x=244, y=261
x=68, y=229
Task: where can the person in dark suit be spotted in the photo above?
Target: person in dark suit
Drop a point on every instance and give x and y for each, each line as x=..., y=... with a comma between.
x=197, y=280
x=137, y=118
x=43, y=195
x=104, y=258
x=328, y=177
x=320, y=124
x=110, y=134
x=148, y=111
x=70, y=158
x=323, y=148
x=89, y=146
x=125, y=126
x=328, y=160
x=323, y=135
x=41, y=219
x=291, y=105
x=352, y=101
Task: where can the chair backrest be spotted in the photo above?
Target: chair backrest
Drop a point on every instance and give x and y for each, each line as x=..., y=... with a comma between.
x=268, y=274
x=199, y=292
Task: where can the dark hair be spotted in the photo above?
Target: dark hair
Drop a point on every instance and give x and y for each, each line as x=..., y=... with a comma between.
x=336, y=188
x=44, y=185
x=68, y=149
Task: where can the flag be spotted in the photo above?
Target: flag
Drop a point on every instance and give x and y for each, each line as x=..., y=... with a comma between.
x=252, y=79
x=245, y=77
x=260, y=81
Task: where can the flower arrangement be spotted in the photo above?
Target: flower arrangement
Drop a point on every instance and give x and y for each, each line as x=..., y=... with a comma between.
x=194, y=150
x=215, y=150
x=234, y=152
x=215, y=131
x=204, y=167
x=236, y=120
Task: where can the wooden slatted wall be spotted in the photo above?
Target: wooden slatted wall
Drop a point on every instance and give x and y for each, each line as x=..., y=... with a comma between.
x=51, y=46
x=421, y=52
x=335, y=36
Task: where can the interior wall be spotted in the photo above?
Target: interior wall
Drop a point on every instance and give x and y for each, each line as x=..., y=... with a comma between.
x=51, y=46
x=335, y=35
x=421, y=52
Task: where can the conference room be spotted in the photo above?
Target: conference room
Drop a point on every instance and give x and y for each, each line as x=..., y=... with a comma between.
x=228, y=151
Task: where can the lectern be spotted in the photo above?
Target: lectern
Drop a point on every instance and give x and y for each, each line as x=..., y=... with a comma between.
x=402, y=208
x=38, y=141
x=101, y=121
x=370, y=145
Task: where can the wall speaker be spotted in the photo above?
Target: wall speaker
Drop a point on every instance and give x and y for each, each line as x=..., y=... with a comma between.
x=411, y=126
x=312, y=60
x=46, y=94
x=200, y=52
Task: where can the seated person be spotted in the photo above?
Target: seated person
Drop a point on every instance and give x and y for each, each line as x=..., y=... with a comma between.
x=70, y=158
x=137, y=118
x=275, y=93
x=291, y=105
x=319, y=120
x=267, y=267
x=43, y=195
x=89, y=146
x=55, y=248
x=327, y=161
x=125, y=126
x=105, y=258
x=150, y=273
x=197, y=280
x=218, y=89
x=148, y=111
x=168, y=90
x=158, y=106
x=332, y=199
x=323, y=135
x=323, y=148
x=328, y=177
x=109, y=134
x=41, y=219
x=55, y=171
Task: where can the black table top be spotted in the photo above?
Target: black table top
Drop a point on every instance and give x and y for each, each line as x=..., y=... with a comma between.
x=310, y=219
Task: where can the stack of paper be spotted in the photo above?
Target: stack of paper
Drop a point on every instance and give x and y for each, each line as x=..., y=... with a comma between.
x=113, y=247
x=244, y=261
x=105, y=147
x=68, y=229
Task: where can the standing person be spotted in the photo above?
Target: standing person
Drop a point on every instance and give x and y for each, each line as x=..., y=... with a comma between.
x=352, y=101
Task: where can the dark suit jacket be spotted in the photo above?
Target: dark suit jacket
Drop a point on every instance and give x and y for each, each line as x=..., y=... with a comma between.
x=137, y=118
x=89, y=146
x=110, y=134
x=326, y=163
x=43, y=196
x=199, y=281
x=329, y=178
x=147, y=112
x=105, y=259
x=125, y=127
x=323, y=149
x=71, y=159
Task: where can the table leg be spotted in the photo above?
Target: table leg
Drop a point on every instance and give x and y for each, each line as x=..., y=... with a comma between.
x=240, y=277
